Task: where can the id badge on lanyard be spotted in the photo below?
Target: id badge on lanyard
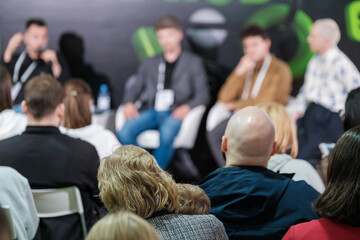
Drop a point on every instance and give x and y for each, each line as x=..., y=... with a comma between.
x=164, y=97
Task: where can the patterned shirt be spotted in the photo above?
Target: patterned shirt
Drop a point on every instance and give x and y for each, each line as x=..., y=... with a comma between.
x=328, y=80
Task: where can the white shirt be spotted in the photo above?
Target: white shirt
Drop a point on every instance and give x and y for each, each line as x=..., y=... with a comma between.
x=11, y=123
x=103, y=139
x=328, y=80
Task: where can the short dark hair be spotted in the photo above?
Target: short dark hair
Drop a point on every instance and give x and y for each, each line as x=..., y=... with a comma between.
x=167, y=21
x=352, y=110
x=42, y=95
x=253, y=30
x=36, y=21
x=341, y=199
x=5, y=89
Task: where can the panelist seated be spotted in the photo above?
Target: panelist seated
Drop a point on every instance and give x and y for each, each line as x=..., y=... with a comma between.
x=168, y=87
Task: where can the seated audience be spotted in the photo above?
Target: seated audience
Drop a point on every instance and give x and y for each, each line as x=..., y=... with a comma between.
x=11, y=123
x=283, y=161
x=352, y=110
x=340, y=202
x=5, y=229
x=130, y=179
x=16, y=193
x=49, y=159
x=77, y=120
x=252, y=201
x=193, y=200
x=122, y=226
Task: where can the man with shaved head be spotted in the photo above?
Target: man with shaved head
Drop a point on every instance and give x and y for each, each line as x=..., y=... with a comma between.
x=252, y=201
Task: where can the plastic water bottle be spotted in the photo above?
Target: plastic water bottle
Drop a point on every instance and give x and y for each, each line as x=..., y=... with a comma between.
x=103, y=100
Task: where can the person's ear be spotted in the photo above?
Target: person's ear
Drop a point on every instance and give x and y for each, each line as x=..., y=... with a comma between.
x=273, y=151
x=24, y=107
x=268, y=43
x=60, y=110
x=224, y=143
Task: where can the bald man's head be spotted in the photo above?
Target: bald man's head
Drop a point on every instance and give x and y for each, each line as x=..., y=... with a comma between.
x=249, y=138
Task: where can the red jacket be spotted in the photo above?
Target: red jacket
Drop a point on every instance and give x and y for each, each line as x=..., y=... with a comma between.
x=322, y=229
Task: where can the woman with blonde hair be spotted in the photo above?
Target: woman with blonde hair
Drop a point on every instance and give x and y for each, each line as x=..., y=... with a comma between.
x=284, y=161
x=11, y=123
x=193, y=200
x=78, y=118
x=122, y=225
x=130, y=179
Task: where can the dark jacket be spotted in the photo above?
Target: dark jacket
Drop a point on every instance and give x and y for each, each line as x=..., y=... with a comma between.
x=256, y=203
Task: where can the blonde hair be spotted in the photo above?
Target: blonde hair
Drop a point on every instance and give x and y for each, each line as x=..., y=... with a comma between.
x=193, y=200
x=285, y=129
x=130, y=179
x=122, y=225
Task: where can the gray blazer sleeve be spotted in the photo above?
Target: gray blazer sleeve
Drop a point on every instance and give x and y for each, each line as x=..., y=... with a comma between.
x=135, y=85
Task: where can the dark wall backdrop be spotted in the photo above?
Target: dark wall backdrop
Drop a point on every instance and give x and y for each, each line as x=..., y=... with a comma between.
x=107, y=27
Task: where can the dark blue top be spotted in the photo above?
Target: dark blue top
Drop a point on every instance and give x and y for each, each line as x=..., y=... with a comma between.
x=256, y=203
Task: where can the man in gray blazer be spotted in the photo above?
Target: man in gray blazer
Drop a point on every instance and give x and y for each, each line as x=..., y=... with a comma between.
x=168, y=86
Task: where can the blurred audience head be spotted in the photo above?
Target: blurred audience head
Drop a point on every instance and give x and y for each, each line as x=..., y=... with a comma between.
x=193, y=200
x=5, y=89
x=249, y=138
x=285, y=128
x=352, y=109
x=169, y=33
x=122, y=225
x=130, y=179
x=43, y=97
x=256, y=43
x=78, y=99
x=324, y=35
x=341, y=199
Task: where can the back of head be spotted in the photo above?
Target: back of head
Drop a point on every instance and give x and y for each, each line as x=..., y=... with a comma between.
x=329, y=29
x=250, y=138
x=42, y=95
x=168, y=21
x=193, y=200
x=352, y=110
x=285, y=128
x=341, y=199
x=77, y=104
x=35, y=21
x=5, y=89
x=130, y=179
x=122, y=225
x=253, y=30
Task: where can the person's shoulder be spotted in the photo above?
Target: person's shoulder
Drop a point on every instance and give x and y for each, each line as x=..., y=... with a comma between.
x=76, y=143
x=189, y=56
x=279, y=63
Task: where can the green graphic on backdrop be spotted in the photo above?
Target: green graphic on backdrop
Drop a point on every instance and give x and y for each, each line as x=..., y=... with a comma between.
x=352, y=17
x=254, y=1
x=276, y=15
x=145, y=43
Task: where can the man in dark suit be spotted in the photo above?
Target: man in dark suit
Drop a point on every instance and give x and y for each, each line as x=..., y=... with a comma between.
x=168, y=87
x=49, y=159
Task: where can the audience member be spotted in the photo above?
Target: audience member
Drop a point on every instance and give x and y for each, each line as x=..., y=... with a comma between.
x=49, y=159
x=193, y=200
x=283, y=161
x=33, y=60
x=168, y=86
x=340, y=202
x=352, y=110
x=77, y=121
x=122, y=225
x=131, y=180
x=11, y=123
x=16, y=193
x=258, y=77
x=329, y=77
x=252, y=201
x=5, y=229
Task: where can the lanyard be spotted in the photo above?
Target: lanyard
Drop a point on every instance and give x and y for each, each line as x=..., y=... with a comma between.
x=17, y=84
x=258, y=82
x=161, y=75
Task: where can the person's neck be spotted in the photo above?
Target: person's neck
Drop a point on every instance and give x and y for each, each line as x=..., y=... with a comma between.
x=261, y=61
x=172, y=55
x=51, y=121
x=324, y=51
x=232, y=162
x=33, y=55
